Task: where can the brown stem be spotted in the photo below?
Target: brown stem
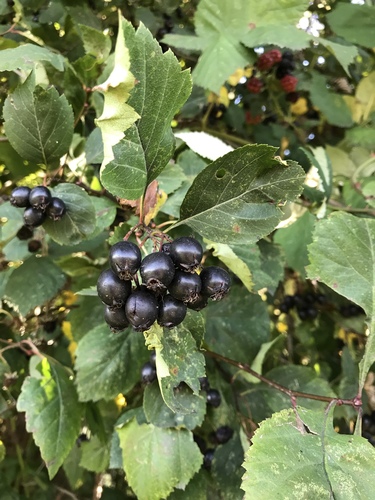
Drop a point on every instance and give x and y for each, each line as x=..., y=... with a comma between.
x=355, y=402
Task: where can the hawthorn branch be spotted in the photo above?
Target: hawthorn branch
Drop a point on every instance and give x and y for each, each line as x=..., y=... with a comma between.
x=356, y=402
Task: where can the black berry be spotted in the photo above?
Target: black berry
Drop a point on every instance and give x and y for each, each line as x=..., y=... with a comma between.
x=204, y=383
x=148, y=373
x=20, y=197
x=33, y=217
x=215, y=282
x=157, y=271
x=50, y=326
x=199, y=303
x=186, y=253
x=141, y=310
x=185, y=287
x=116, y=319
x=40, y=197
x=111, y=290
x=34, y=246
x=25, y=233
x=223, y=434
x=208, y=457
x=171, y=312
x=213, y=398
x=56, y=209
x=125, y=259
x=153, y=358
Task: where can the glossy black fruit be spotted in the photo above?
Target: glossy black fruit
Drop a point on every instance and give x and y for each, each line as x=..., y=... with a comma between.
x=185, y=286
x=213, y=398
x=186, y=253
x=215, y=282
x=56, y=209
x=153, y=358
x=141, y=310
x=171, y=312
x=208, y=457
x=25, y=233
x=204, y=383
x=34, y=245
x=50, y=326
x=33, y=217
x=20, y=197
x=223, y=434
x=157, y=271
x=148, y=373
x=111, y=290
x=116, y=318
x=199, y=303
x=125, y=259
x=40, y=197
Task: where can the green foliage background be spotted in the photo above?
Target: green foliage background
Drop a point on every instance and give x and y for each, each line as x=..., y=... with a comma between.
x=140, y=113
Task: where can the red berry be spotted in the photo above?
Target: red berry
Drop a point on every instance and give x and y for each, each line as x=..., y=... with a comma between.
x=265, y=61
x=253, y=119
x=289, y=83
x=254, y=85
x=276, y=55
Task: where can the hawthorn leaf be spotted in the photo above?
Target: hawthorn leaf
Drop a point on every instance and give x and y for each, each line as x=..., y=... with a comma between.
x=79, y=220
x=232, y=261
x=95, y=455
x=282, y=35
x=25, y=56
x=236, y=198
x=324, y=464
x=170, y=452
x=95, y=42
x=11, y=220
x=108, y=363
x=17, y=289
x=105, y=213
x=277, y=12
x=342, y=255
x=204, y=144
x=171, y=178
x=177, y=360
x=237, y=326
x=158, y=413
x=354, y=23
x=53, y=414
x=117, y=115
x=38, y=122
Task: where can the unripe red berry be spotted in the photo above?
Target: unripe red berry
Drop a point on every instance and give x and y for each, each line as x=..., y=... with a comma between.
x=254, y=85
x=276, y=55
x=289, y=83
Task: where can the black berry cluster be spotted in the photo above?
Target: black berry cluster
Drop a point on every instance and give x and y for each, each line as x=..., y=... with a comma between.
x=213, y=396
x=221, y=436
x=169, y=285
x=38, y=204
x=305, y=304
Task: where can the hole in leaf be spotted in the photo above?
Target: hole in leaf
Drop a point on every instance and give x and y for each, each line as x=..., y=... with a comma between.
x=220, y=173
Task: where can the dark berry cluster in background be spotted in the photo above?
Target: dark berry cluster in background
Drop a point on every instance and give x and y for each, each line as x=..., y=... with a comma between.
x=169, y=284
x=282, y=64
x=38, y=204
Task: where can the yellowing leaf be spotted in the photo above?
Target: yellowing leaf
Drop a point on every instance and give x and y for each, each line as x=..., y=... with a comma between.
x=117, y=116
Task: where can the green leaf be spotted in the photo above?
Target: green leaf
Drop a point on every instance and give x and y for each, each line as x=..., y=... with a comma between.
x=18, y=291
x=342, y=257
x=257, y=364
x=11, y=220
x=74, y=473
x=79, y=220
x=345, y=54
x=331, y=104
x=320, y=160
x=185, y=42
x=308, y=459
x=227, y=470
x=105, y=211
x=53, y=413
x=361, y=136
x=148, y=145
x=25, y=56
x=204, y=144
x=95, y=455
x=158, y=413
x=177, y=360
x=242, y=191
x=294, y=240
x=237, y=326
x=85, y=316
x=17, y=166
x=117, y=115
x=107, y=363
x=282, y=35
x=277, y=11
x=220, y=26
x=354, y=23
x=95, y=42
x=171, y=178
x=38, y=122
x=232, y=261
x=171, y=452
